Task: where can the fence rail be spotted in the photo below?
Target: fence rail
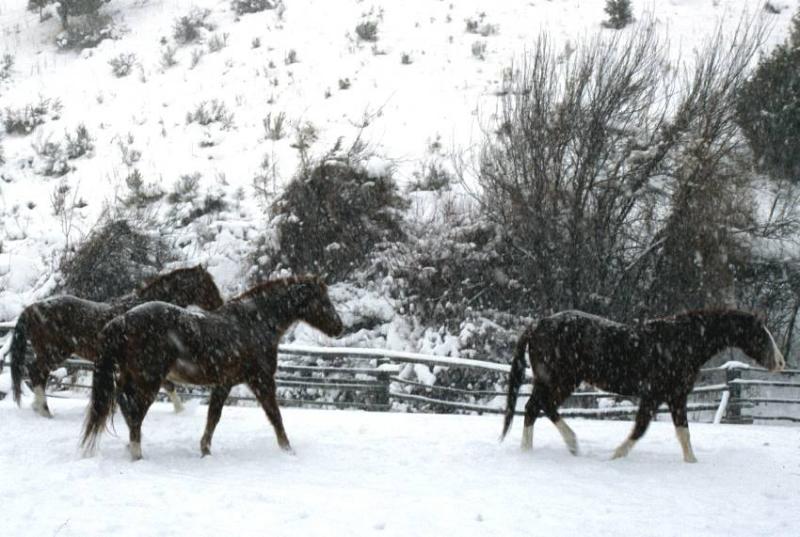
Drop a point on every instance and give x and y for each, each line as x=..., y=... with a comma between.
x=728, y=394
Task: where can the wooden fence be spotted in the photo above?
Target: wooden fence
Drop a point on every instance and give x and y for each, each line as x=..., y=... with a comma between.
x=380, y=381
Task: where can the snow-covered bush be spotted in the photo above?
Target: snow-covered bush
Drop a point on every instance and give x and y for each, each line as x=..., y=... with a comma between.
x=87, y=32
x=619, y=14
x=208, y=112
x=139, y=194
x=51, y=158
x=768, y=108
x=189, y=27
x=431, y=177
x=72, y=8
x=333, y=213
x=6, y=67
x=480, y=26
x=218, y=42
x=274, y=126
x=168, y=57
x=78, y=144
x=122, y=64
x=24, y=120
x=113, y=260
x=479, y=50
x=185, y=197
x=367, y=30
x=240, y=7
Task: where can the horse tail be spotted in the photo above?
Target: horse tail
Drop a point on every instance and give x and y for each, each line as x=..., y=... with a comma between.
x=19, y=343
x=101, y=404
x=515, y=379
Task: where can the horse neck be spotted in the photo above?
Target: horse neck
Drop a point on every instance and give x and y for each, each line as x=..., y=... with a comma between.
x=717, y=332
x=275, y=308
x=163, y=291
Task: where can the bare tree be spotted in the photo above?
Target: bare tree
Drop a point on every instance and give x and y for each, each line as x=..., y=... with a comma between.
x=568, y=173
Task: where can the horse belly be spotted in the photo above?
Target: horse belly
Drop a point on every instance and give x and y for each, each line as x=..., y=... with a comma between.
x=186, y=372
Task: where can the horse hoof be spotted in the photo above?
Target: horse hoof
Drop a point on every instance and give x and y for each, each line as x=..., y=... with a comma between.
x=43, y=412
x=691, y=459
x=205, y=452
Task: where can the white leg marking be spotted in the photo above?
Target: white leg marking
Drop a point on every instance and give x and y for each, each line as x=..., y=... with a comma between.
x=176, y=401
x=527, y=438
x=779, y=362
x=136, y=450
x=686, y=444
x=40, y=402
x=624, y=449
x=568, y=435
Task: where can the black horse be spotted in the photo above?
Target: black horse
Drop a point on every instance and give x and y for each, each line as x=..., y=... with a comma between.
x=657, y=361
x=238, y=343
x=63, y=325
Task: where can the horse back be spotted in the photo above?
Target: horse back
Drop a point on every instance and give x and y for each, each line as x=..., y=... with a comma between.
x=573, y=347
x=67, y=324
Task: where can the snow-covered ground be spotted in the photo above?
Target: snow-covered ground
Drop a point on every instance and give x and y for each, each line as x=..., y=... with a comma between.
x=359, y=473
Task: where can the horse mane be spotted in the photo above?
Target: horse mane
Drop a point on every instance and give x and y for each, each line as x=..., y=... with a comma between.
x=698, y=312
x=161, y=277
x=269, y=285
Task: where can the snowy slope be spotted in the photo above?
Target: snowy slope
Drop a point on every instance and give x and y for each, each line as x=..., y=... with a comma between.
x=442, y=97
x=358, y=473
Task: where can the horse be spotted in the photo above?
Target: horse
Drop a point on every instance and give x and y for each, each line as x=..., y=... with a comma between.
x=63, y=325
x=656, y=361
x=237, y=343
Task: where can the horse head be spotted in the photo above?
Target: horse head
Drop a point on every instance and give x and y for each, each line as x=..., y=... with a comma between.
x=208, y=296
x=318, y=310
x=759, y=344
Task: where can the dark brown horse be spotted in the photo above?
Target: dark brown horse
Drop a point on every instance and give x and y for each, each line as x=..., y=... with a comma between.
x=237, y=343
x=657, y=361
x=63, y=325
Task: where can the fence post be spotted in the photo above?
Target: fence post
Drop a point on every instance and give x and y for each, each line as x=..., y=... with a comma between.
x=382, y=397
x=733, y=413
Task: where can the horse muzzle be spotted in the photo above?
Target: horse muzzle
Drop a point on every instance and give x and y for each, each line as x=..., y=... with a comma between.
x=778, y=362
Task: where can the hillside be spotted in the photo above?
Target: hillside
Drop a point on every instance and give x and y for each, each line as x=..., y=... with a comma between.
x=423, y=91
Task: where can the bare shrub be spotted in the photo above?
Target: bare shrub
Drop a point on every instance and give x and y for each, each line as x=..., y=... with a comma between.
x=595, y=172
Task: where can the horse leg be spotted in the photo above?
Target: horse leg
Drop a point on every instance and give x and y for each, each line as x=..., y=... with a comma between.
x=647, y=409
x=677, y=407
x=138, y=401
x=532, y=408
x=215, y=404
x=39, y=372
x=550, y=406
x=172, y=393
x=263, y=386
